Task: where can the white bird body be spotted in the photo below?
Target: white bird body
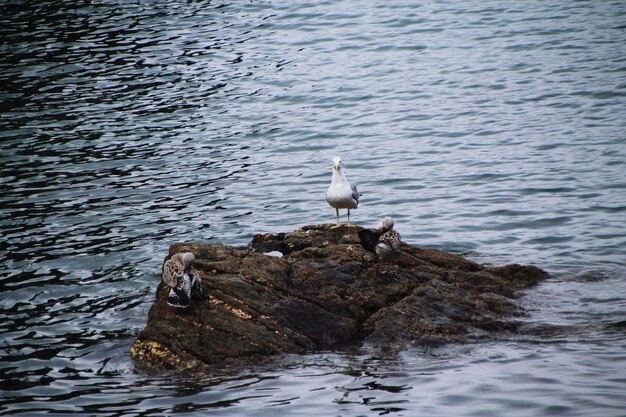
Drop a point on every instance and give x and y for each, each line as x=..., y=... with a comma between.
x=341, y=194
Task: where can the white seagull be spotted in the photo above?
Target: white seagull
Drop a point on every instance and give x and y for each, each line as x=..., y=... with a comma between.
x=341, y=194
x=179, y=275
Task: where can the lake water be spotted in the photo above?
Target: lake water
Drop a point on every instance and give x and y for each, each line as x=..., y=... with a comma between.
x=491, y=129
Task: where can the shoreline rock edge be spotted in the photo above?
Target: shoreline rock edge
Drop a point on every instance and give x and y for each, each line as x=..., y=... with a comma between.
x=321, y=294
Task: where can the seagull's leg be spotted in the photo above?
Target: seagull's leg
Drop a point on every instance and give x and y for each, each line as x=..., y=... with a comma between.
x=377, y=268
x=337, y=225
x=349, y=219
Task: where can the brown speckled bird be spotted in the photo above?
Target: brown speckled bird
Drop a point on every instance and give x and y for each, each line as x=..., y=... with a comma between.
x=383, y=241
x=179, y=275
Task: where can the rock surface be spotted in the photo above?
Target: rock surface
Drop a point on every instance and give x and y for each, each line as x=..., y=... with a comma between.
x=321, y=294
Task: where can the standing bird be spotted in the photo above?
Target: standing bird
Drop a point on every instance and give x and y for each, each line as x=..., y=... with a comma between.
x=179, y=275
x=341, y=194
x=383, y=241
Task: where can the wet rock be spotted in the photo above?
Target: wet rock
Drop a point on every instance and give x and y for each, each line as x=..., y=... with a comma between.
x=322, y=294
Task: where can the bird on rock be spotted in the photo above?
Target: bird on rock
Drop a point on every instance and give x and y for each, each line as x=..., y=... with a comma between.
x=383, y=241
x=341, y=194
x=179, y=275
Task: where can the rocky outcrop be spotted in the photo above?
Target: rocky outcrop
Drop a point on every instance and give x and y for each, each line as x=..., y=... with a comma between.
x=321, y=292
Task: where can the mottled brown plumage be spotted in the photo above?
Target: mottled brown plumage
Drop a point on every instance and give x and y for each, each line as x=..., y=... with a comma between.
x=179, y=275
x=383, y=241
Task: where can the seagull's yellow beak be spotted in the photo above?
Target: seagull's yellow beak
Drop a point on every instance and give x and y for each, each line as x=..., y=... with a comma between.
x=336, y=166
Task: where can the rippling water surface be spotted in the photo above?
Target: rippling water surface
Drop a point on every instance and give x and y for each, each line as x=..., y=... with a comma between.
x=492, y=129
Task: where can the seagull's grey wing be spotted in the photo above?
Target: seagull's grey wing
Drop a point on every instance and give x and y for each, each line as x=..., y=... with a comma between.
x=355, y=194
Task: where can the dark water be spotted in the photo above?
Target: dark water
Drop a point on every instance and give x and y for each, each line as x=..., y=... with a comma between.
x=492, y=129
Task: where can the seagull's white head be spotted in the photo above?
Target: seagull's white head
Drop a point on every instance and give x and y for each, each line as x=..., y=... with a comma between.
x=337, y=163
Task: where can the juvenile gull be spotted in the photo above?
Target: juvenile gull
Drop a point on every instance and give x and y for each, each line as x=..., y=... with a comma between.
x=383, y=241
x=341, y=194
x=179, y=275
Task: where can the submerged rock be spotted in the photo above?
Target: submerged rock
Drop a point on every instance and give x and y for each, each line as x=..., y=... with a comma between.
x=321, y=294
